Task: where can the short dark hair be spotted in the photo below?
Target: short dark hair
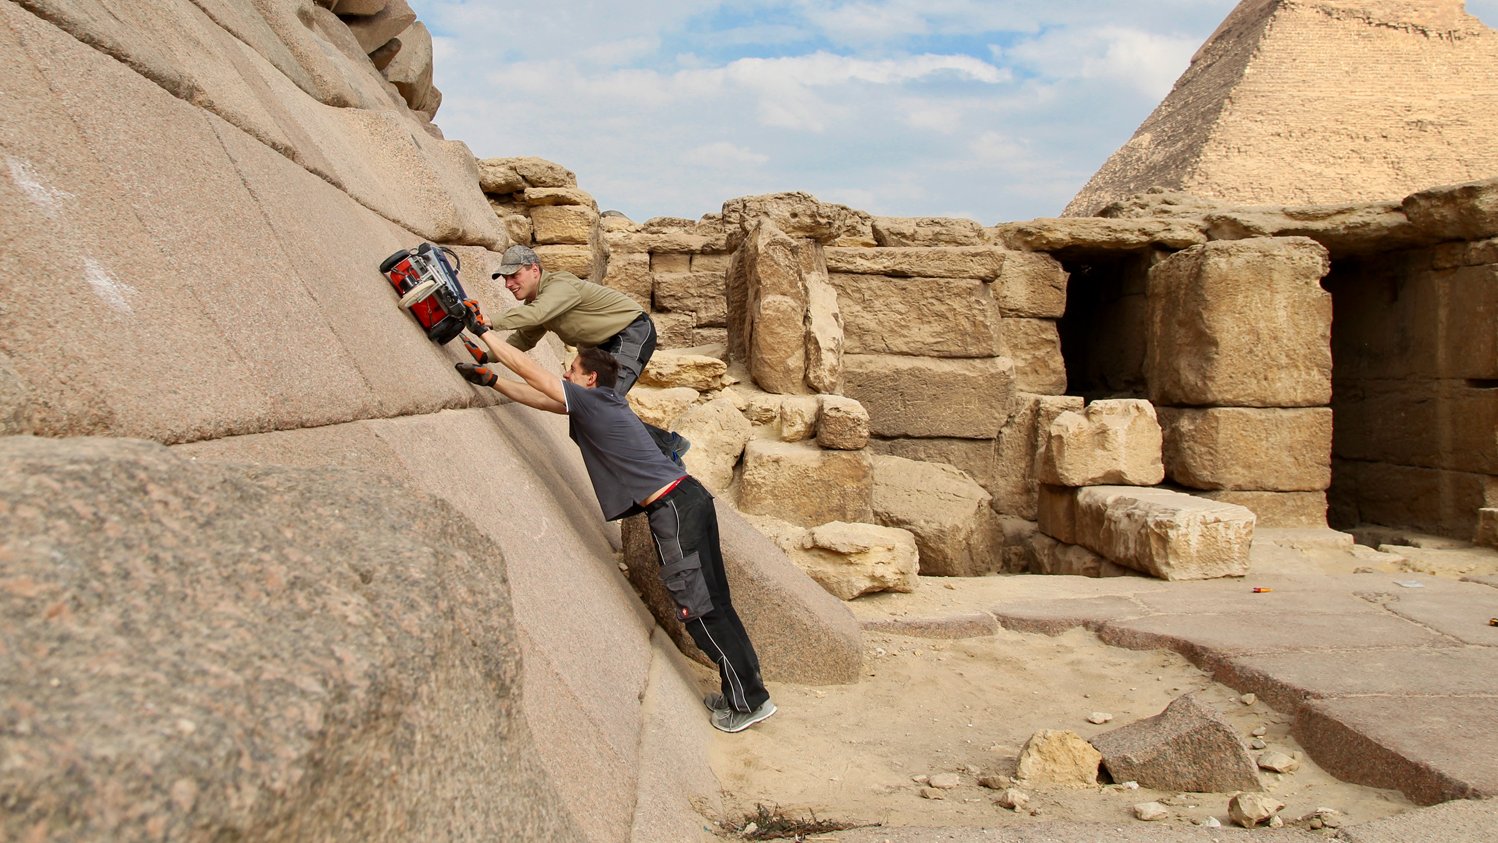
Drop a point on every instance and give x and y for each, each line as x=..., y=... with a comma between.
x=598, y=362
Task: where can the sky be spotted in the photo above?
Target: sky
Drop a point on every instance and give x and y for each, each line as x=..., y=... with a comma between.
x=996, y=110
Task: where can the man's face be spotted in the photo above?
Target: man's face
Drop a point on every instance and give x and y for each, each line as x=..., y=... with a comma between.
x=577, y=375
x=524, y=283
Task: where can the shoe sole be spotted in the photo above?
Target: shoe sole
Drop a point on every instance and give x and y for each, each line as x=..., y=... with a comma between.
x=746, y=724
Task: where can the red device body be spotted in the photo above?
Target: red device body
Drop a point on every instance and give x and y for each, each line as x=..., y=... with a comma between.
x=429, y=288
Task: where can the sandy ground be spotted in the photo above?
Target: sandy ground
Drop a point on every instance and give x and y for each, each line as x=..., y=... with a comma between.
x=925, y=706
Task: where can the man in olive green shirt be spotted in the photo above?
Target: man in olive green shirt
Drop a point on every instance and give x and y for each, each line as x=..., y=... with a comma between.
x=582, y=314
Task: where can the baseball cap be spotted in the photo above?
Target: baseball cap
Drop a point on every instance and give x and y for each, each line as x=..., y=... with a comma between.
x=514, y=259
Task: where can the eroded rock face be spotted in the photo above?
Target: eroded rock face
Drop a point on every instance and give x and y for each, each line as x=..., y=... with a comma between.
x=254, y=653
x=847, y=559
x=718, y=433
x=1187, y=747
x=1241, y=448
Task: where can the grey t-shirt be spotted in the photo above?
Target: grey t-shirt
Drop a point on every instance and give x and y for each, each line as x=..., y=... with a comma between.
x=622, y=460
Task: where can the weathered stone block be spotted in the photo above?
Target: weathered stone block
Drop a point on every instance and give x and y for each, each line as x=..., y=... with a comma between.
x=1248, y=448
x=806, y=485
x=718, y=433
x=1188, y=747
x=664, y=262
x=679, y=368
x=1425, y=325
x=1097, y=234
x=849, y=560
x=929, y=397
x=700, y=293
x=1110, y=442
x=824, y=327
x=539, y=196
x=1456, y=212
x=1276, y=509
x=842, y=423
x=933, y=317
x=578, y=260
x=629, y=273
x=1241, y=323
x=799, y=215
x=975, y=457
x=1486, y=534
x=661, y=406
x=1031, y=285
x=1435, y=424
x=926, y=231
x=1431, y=500
x=767, y=301
x=1167, y=534
x=1035, y=347
x=1018, y=448
x=956, y=530
x=716, y=262
x=798, y=417
x=1056, y=512
x=1045, y=555
x=1058, y=757
x=563, y=224
x=978, y=262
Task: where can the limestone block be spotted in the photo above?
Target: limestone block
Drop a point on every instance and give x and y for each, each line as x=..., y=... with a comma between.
x=799, y=215
x=798, y=417
x=976, y=457
x=1110, y=442
x=1170, y=535
x=777, y=358
x=675, y=330
x=670, y=262
x=700, y=294
x=578, y=260
x=804, y=484
x=538, y=172
x=1188, y=747
x=1486, y=534
x=1445, y=424
x=1456, y=212
x=1098, y=234
x=540, y=196
x=710, y=262
x=982, y=263
x=842, y=423
x=1430, y=324
x=801, y=633
x=957, y=532
x=1439, y=501
x=824, y=327
x=567, y=224
x=355, y=7
x=849, y=560
x=1276, y=509
x=718, y=432
x=499, y=176
x=680, y=368
x=767, y=301
x=373, y=30
x=661, y=406
x=1241, y=323
x=1056, y=512
x=1058, y=757
x=1045, y=555
x=932, y=317
x=517, y=227
x=926, y=231
x=629, y=273
x=762, y=409
x=1031, y=285
x=1035, y=347
x=929, y=397
x=1018, y=448
x=1248, y=448
x=1454, y=255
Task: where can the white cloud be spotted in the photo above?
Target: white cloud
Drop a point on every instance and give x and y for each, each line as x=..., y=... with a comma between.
x=723, y=155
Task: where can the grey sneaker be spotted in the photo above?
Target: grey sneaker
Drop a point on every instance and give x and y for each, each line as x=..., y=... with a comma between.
x=729, y=720
x=715, y=702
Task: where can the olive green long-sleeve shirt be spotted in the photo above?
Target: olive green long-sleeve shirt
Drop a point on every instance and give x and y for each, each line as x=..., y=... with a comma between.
x=581, y=313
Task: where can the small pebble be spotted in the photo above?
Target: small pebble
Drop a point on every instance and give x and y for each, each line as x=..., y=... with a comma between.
x=1013, y=799
x=993, y=782
x=1249, y=699
x=1315, y=823
x=920, y=779
x=1278, y=762
x=1210, y=822
x=945, y=781
x=1257, y=743
x=1259, y=732
x=1129, y=786
x=750, y=829
x=1276, y=822
x=1099, y=717
x=932, y=793
x=625, y=568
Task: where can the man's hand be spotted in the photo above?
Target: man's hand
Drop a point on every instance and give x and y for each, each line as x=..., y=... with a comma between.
x=474, y=319
x=480, y=356
x=476, y=375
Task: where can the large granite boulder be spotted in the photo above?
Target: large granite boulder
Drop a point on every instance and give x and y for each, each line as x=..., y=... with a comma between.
x=202, y=650
x=957, y=532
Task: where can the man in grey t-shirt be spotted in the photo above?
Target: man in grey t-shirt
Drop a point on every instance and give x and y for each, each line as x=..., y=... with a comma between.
x=630, y=474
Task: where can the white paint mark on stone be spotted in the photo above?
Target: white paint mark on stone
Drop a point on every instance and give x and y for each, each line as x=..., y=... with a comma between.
x=111, y=291
x=44, y=196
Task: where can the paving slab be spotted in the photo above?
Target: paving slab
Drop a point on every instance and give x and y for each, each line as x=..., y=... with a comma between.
x=1459, y=821
x=963, y=625
x=1431, y=749
x=1460, y=610
x=1208, y=638
x=1071, y=832
x=1053, y=617
x=1287, y=680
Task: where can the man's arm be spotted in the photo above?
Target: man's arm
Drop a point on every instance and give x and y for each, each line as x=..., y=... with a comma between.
x=525, y=394
x=541, y=389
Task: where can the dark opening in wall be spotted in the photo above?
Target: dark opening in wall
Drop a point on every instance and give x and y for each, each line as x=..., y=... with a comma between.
x=1106, y=325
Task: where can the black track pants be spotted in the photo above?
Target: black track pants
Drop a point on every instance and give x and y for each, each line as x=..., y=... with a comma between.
x=685, y=526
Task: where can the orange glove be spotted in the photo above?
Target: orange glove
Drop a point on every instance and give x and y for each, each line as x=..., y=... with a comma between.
x=480, y=356
x=476, y=375
x=474, y=318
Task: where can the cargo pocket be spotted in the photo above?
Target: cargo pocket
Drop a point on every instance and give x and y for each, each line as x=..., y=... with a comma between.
x=683, y=578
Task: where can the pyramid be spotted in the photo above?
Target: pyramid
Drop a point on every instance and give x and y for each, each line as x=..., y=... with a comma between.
x=1294, y=102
